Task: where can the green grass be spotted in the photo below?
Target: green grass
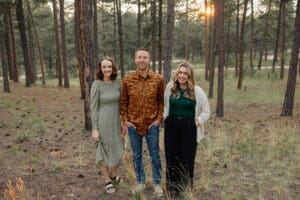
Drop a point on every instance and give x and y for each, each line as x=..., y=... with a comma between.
x=23, y=136
x=36, y=124
x=250, y=162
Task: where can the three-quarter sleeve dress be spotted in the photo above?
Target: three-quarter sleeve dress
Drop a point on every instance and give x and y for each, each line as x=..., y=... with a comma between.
x=105, y=114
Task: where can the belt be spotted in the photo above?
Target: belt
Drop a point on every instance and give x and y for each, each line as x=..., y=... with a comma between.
x=181, y=118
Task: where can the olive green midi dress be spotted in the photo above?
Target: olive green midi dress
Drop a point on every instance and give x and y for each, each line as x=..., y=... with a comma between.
x=105, y=114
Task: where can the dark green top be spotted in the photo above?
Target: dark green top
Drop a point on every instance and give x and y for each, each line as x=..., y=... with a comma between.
x=182, y=106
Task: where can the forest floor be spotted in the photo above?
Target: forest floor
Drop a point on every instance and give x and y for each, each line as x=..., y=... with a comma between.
x=251, y=153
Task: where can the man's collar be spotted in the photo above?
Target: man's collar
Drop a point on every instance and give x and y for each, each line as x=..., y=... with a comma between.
x=148, y=73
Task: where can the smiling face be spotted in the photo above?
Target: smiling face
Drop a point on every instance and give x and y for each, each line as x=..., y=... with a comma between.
x=183, y=76
x=106, y=69
x=142, y=60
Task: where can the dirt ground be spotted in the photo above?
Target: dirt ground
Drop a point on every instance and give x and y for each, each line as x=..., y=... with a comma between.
x=42, y=141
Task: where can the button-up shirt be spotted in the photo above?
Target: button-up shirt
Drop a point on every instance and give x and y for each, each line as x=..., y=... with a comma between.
x=142, y=100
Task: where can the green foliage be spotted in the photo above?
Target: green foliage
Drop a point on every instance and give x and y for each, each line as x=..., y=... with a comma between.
x=23, y=136
x=36, y=124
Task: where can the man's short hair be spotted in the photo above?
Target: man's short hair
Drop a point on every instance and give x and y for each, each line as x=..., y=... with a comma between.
x=141, y=49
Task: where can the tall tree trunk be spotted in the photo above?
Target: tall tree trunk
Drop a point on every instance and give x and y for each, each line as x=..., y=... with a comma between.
x=13, y=46
x=153, y=34
x=4, y=64
x=251, y=39
x=78, y=50
x=160, y=53
x=167, y=65
x=187, y=31
x=213, y=60
x=8, y=46
x=139, y=24
x=58, y=50
x=237, y=38
x=288, y=104
x=95, y=33
x=120, y=29
x=115, y=30
x=228, y=43
x=31, y=49
x=263, y=46
x=221, y=57
x=206, y=39
x=86, y=36
x=282, y=44
x=38, y=44
x=63, y=44
x=21, y=27
x=277, y=37
x=241, y=48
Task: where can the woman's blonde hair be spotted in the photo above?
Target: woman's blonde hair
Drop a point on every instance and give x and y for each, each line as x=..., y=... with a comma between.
x=190, y=93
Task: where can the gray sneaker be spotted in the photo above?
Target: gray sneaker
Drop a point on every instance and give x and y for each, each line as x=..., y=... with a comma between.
x=158, y=190
x=138, y=188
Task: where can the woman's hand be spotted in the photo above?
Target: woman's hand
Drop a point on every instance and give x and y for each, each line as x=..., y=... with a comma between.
x=95, y=135
x=197, y=123
x=123, y=130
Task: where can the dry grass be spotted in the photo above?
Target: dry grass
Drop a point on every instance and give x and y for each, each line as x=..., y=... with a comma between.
x=251, y=153
x=18, y=191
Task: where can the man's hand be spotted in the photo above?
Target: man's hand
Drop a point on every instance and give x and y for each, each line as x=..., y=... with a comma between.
x=155, y=123
x=128, y=124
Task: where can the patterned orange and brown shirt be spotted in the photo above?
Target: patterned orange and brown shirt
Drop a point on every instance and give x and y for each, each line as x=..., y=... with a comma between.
x=142, y=100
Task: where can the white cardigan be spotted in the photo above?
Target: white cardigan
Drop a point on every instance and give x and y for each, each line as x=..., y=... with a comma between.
x=202, y=109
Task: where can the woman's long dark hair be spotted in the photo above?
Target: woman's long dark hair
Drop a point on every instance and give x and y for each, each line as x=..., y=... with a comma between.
x=114, y=74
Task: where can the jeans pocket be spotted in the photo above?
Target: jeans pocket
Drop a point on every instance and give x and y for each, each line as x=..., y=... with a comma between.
x=131, y=129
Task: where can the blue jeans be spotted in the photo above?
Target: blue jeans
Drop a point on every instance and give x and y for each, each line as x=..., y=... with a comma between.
x=152, y=139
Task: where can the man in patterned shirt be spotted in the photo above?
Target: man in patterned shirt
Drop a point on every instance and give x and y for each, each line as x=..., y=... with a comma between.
x=142, y=112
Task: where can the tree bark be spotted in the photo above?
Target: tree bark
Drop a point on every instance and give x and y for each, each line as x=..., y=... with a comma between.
x=153, y=34
x=78, y=50
x=95, y=33
x=38, y=44
x=277, y=37
x=87, y=55
x=120, y=29
x=58, y=50
x=263, y=46
x=288, y=104
x=241, y=48
x=8, y=46
x=63, y=44
x=221, y=57
x=160, y=48
x=4, y=64
x=251, y=39
x=13, y=46
x=167, y=65
x=139, y=24
x=228, y=44
x=21, y=27
x=237, y=38
x=212, y=60
x=282, y=44
x=31, y=49
x=115, y=30
x=206, y=39
x=187, y=31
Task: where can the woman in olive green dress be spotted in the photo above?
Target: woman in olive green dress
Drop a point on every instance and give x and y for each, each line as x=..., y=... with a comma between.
x=105, y=108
